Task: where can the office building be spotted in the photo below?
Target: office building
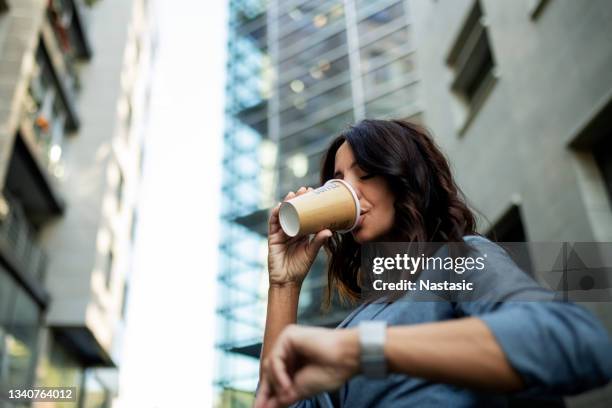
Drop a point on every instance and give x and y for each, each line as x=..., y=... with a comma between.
x=519, y=94
x=298, y=71
x=70, y=150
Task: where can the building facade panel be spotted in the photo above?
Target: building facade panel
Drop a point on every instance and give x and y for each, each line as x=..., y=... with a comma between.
x=529, y=142
x=69, y=174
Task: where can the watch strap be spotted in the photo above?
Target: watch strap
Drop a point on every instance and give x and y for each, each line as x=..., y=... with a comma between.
x=372, y=335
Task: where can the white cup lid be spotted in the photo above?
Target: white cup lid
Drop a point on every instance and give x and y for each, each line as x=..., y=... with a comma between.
x=289, y=219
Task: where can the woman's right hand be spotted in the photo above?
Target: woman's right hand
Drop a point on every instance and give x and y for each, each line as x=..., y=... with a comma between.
x=290, y=258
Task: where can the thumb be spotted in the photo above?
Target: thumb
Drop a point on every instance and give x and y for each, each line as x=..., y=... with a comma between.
x=318, y=240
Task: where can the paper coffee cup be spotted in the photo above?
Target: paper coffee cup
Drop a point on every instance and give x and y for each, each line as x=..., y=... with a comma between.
x=334, y=205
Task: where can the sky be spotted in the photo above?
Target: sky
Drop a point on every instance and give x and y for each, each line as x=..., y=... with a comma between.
x=167, y=357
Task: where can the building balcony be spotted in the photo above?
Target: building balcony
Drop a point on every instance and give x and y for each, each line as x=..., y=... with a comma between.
x=67, y=19
x=29, y=181
x=256, y=117
x=256, y=221
x=254, y=28
x=19, y=251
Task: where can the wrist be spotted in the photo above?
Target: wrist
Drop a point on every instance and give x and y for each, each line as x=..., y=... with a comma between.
x=288, y=285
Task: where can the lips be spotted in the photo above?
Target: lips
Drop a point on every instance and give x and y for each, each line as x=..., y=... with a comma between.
x=360, y=219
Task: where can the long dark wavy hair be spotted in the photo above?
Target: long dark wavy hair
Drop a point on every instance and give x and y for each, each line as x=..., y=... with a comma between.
x=429, y=206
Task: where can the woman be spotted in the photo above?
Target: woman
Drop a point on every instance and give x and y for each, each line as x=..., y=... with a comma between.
x=458, y=353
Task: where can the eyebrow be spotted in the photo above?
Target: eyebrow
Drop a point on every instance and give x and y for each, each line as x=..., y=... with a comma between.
x=339, y=172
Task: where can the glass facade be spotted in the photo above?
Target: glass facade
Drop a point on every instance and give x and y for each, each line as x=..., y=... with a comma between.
x=297, y=73
x=248, y=160
x=20, y=319
x=59, y=368
x=96, y=394
x=47, y=110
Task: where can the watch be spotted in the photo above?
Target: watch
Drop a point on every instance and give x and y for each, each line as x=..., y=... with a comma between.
x=372, y=348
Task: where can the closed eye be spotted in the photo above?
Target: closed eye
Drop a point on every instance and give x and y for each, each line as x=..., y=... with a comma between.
x=367, y=176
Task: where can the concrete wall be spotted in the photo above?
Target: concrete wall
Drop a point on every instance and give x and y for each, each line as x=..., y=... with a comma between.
x=78, y=242
x=553, y=72
x=19, y=31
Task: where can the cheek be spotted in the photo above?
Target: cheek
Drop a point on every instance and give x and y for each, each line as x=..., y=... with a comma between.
x=384, y=212
x=389, y=215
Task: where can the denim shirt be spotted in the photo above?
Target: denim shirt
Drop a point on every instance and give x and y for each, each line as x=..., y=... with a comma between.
x=558, y=348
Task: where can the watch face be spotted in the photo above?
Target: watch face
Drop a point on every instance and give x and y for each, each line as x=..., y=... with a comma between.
x=372, y=342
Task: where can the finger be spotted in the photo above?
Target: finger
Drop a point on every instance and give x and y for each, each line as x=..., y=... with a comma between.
x=307, y=382
x=273, y=222
x=263, y=394
x=273, y=403
x=319, y=239
x=289, y=196
x=288, y=397
x=298, y=239
x=274, y=384
x=278, y=370
x=301, y=190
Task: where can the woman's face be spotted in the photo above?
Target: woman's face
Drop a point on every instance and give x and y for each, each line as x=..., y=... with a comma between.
x=375, y=197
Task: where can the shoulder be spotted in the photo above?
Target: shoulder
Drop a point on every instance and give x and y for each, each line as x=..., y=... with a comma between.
x=478, y=239
x=480, y=243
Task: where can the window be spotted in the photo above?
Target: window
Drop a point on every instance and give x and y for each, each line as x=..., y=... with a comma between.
x=385, y=49
x=592, y=148
x=397, y=103
x=602, y=151
x=536, y=7
x=59, y=367
x=473, y=65
x=510, y=229
x=128, y=116
x=19, y=327
x=124, y=301
x=7, y=294
x=302, y=108
x=96, y=393
x=133, y=225
x=306, y=57
x=141, y=159
x=394, y=72
x=68, y=29
x=108, y=272
x=47, y=110
x=119, y=191
x=380, y=19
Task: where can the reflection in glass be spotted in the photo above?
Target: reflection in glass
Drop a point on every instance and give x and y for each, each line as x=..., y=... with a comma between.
x=96, y=394
x=316, y=74
x=305, y=58
x=59, y=368
x=380, y=19
x=311, y=18
x=20, y=341
x=303, y=109
x=399, y=103
x=389, y=47
x=393, y=72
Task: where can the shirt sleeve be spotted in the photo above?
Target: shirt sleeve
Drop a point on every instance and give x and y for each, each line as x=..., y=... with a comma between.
x=557, y=347
x=307, y=403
